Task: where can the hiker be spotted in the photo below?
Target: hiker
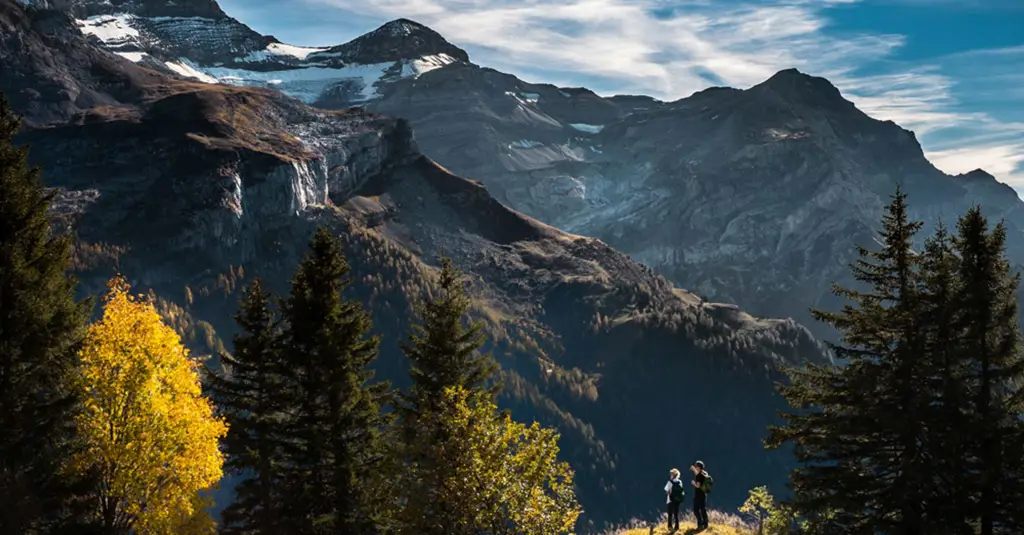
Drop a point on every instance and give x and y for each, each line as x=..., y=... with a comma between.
x=674, y=494
x=702, y=483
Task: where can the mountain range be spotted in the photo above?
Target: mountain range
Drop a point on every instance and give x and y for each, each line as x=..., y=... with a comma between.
x=192, y=188
x=679, y=186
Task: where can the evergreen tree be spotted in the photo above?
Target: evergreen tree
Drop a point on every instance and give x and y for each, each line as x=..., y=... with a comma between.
x=858, y=430
x=247, y=392
x=442, y=351
x=991, y=338
x=338, y=425
x=445, y=357
x=950, y=508
x=41, y=328
x=483, y=473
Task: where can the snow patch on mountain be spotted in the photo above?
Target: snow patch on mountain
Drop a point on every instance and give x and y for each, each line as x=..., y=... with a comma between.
x=416, y=67
x=588, y=128
x=112, y=30
x=275, y=50
x=134, y=57
x=524, y=98
x=525, y=144
x=188, y=69
x=309, y=83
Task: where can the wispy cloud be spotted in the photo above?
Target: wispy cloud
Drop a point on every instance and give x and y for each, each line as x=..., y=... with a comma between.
x=671, y=49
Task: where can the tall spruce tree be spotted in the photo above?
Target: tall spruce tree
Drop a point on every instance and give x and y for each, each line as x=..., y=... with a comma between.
x=443, y=352
x=247, y=391
x=41, y=328
x=991, y=338
x=950, y=508
x=338, y=430
x=858, y=430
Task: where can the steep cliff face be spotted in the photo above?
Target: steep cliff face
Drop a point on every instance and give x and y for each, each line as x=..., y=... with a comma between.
x=193, y=189
x=209, y=166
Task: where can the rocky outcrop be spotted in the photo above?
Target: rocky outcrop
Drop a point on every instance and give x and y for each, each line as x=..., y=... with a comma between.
x=234, y=161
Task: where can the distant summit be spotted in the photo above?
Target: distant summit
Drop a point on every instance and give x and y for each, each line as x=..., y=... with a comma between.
x=796, y=86
x=397, y=40
x=978, y=175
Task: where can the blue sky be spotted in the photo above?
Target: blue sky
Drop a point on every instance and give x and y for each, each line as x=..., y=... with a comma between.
x=951, y=70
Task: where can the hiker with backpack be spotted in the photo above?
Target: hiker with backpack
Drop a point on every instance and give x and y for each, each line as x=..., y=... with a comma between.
x=674, y=494
x=702, y=482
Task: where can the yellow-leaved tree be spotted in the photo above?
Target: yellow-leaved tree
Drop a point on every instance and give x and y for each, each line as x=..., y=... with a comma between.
x=150, y=436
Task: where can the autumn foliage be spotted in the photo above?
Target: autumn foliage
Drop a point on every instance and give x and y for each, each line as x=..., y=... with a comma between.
x=150, y=434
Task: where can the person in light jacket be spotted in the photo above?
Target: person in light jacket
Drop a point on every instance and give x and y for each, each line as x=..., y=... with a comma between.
x=674, y=493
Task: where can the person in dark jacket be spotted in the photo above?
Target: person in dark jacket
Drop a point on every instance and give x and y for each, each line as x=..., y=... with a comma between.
x=700, y=499
x=674, y=493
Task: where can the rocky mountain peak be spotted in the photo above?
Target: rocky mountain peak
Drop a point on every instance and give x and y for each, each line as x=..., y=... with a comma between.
x=803, y=89
x=401, y=39
x=987, y=188
x=978, y=175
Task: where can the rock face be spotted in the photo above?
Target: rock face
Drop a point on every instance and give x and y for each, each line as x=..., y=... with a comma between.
x=755, y=197
x=192, y=189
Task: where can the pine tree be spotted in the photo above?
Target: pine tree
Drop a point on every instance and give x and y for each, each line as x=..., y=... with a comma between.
x=991, y=338
x=338, y=431
x=41, y=327
x=247, y=392
x=442, y=351
x=857, y=430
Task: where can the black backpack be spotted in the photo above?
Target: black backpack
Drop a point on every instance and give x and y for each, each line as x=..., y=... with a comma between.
x=677, y=492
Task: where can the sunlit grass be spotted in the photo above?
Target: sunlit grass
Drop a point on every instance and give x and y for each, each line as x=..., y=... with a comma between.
x=721, y=524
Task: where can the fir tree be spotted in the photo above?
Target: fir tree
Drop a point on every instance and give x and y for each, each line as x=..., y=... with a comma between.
x=443, y=352
x=338, y=429
x=247, y=392
x=857, y=430
x=991, y=338
x=41, y=328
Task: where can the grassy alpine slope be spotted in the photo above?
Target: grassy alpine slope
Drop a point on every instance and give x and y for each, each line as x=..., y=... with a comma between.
x=721, y=524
